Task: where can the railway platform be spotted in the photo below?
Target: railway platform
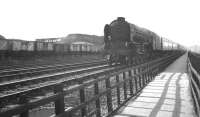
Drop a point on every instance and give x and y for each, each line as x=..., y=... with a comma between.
x=168, y=95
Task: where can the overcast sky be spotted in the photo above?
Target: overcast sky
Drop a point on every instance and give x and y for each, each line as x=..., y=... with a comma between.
x=178, y=20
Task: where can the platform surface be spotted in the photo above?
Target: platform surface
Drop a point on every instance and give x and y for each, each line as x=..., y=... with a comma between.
x=168, y=95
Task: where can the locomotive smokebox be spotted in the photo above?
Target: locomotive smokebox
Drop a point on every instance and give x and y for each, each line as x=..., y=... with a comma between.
x=121, y=19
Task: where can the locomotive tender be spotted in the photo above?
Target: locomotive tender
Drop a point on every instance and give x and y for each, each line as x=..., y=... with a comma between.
x=126, y=42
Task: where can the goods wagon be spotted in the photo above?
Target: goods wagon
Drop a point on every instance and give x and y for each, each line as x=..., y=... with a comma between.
x=61, y=47
x=47, y=46
x=39, y=46
x=15, y=45
x=58, y=47
x=24, y=45
x=21, y=48
x=30, y=45
x=3, y=44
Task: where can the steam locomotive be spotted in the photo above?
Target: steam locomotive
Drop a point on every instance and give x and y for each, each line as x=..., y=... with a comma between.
x=127, y=43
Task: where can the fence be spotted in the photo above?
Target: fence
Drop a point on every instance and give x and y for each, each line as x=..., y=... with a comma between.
x=193, y=65
x=117, y=87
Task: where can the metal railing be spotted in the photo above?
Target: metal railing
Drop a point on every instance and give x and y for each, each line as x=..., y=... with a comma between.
x=194, y=81
x=117, y=87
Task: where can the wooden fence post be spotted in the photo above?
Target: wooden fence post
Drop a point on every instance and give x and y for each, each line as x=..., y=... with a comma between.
x=130, y=82
x=23, y=100
x=109, y=96
x=143, y=77
x=82, y=100
x=135, y=81
x=125, y=89
x=118, y=90
x=148, y=73
x=151, y=73
x=97, y=103
x=59, y=104
x=140, y=78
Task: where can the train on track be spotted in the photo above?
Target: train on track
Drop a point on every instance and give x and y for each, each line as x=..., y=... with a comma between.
x=125, y=43
x=15, y=47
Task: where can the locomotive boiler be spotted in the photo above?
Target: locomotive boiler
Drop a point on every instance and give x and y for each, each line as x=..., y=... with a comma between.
x=126, y=42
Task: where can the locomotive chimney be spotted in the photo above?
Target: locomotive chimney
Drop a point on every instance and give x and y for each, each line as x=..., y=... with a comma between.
x=121, y=19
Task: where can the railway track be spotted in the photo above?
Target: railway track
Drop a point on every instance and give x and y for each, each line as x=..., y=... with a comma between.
x=43, y=64
x=44, y=78
x=51, y=81
x=21, y=66
x=35, y=71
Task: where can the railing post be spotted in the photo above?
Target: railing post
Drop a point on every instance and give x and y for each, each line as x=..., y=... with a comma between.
x=59, y=104
x=135, y=80
x=118, y=90
x=82, y=99
x=24, y=100
x=130, y=82
x=125, y=89
x=109, y=96
x=140, y=78
x=143, y=77
x=149, y=71
x=146, y=77
x=97, y=103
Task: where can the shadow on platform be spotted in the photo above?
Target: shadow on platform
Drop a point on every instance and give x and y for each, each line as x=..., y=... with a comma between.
x=167, y=96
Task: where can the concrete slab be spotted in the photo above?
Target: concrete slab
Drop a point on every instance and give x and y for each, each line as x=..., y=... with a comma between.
x=166, y=107
x=136, y=111
x=151, y=94
x=146, y=105
x=147, y=99
x=164, y=114
x=168, y=95
x=169, y=101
